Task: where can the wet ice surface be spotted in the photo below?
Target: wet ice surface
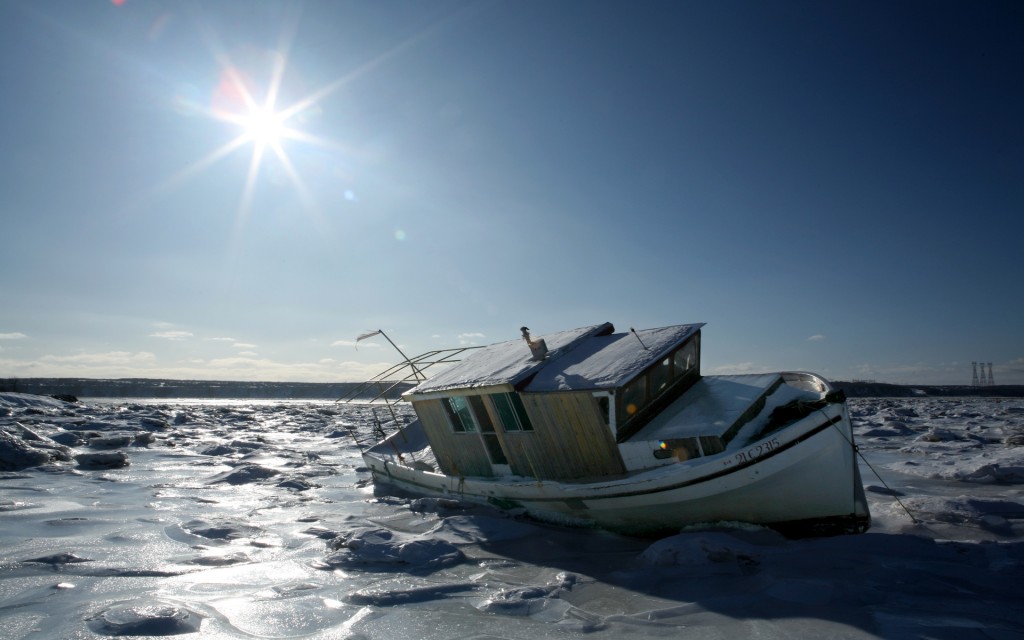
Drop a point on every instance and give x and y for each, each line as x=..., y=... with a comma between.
x=242, y=520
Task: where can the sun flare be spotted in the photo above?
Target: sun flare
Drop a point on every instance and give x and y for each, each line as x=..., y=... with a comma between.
x=270, y=117
x=264, y=126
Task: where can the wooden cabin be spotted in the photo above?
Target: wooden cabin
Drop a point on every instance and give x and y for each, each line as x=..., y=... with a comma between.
x=554, y=407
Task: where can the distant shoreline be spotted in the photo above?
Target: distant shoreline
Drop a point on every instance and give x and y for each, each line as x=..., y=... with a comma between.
x=129, y=388
x=223, y=390
x=884, y=390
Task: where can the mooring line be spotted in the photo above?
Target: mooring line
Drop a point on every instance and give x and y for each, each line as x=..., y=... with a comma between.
x=857, y=450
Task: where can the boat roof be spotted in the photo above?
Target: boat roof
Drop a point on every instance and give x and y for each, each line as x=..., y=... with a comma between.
x=588, y=358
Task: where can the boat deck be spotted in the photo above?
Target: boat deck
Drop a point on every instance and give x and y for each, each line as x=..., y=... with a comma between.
x=715, y=406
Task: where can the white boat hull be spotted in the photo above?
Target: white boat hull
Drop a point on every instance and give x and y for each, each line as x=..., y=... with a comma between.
x=802, y=479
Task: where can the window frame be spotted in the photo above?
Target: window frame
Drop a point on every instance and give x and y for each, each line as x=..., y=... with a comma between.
x=457, y=415
x=514, y=409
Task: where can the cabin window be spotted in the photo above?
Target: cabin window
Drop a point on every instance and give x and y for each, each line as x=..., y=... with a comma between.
x=685, y=358
x=660, y=376
x=711, y=445
x=512, y=412
x=459, y=414
x=487, y=432
x=634, y=397
x=681, y=449
x=657, y=380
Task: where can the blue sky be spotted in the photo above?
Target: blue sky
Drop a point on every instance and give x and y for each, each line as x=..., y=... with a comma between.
x=834, y=187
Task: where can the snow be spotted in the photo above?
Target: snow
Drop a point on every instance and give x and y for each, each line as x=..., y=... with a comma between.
x=604, y=362
x=257, y=519
x=505, y=363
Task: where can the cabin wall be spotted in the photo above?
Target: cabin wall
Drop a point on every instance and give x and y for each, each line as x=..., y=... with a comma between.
x=570, y=439
x=457, y=453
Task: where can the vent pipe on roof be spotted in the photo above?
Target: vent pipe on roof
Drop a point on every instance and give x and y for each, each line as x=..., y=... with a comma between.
x=538, y=348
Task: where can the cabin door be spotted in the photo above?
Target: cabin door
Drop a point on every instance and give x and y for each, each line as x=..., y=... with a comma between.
x=499, y=461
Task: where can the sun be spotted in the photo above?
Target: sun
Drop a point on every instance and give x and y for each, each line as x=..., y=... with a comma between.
x=270, y=117
x=264, y=126
x=241, y=102
x=249, y=98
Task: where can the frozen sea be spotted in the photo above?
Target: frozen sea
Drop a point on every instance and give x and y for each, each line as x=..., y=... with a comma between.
x=237, y=519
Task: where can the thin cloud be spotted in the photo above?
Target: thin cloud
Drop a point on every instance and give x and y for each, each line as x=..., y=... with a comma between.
x=1015, y=366
x=17, y=335
x=102, y=359
x=245, y=345
x=220, y=339
x=469, y=338
x=352, y=343
x=816, y=338
x=738, y=367
x=127, y=364
x=171, y=335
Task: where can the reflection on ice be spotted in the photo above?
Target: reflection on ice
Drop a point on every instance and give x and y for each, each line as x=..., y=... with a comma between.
x=396, y=592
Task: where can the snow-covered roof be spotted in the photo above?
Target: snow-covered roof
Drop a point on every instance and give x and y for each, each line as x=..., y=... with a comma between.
x=586, y=358
x=605, y=362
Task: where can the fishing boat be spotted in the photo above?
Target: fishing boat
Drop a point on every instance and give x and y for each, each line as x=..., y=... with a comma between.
x=621, y=431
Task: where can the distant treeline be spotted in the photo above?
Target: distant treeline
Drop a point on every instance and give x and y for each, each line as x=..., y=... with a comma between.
x=205, y=389
x=883, y=390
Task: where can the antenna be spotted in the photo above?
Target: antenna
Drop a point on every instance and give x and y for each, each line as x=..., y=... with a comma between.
x=637, y=335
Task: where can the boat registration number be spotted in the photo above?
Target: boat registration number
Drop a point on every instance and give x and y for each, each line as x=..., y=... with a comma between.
x=753, y=453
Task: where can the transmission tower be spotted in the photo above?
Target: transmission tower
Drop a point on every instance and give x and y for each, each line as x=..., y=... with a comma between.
x=991, y=380
x=974, y=378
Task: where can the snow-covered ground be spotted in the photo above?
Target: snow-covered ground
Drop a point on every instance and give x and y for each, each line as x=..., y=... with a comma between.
x=242, y=520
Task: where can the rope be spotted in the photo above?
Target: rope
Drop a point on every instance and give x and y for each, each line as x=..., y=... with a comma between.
x=891, y=491
x=856, y=449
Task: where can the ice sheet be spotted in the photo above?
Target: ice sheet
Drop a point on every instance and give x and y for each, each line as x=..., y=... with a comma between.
x=257, y=520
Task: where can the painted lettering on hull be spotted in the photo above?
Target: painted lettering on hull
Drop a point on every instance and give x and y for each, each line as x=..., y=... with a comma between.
x=753, y=453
